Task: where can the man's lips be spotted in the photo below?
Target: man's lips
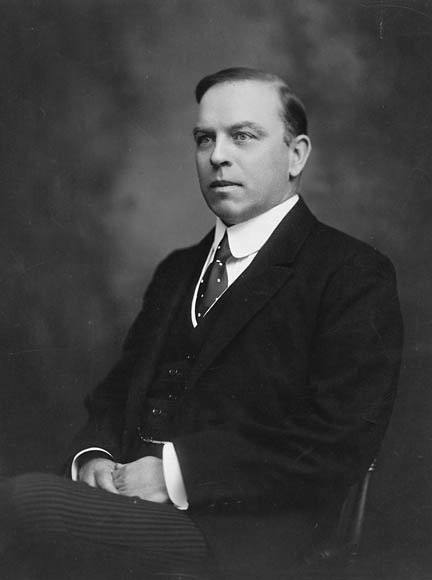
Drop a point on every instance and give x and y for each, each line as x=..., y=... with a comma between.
x=223, y=183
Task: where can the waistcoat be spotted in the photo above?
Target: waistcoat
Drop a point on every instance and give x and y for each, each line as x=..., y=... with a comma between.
x=183, y=343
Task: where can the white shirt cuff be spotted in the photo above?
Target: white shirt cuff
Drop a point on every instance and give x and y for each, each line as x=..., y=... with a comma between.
x=75, y=463
x=173, y=477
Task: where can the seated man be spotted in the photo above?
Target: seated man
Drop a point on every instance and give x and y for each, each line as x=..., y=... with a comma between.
x=255, y=385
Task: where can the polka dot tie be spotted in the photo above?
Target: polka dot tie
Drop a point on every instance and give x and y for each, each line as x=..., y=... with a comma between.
x=214, y=281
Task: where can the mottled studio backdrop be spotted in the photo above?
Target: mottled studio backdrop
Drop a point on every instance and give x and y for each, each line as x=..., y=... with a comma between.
x=98, y=184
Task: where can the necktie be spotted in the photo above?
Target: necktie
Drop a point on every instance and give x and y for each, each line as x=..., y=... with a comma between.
x=214, y=281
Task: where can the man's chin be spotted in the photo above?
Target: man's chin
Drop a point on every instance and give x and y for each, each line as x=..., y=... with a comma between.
x=229, y=216
x=228, y=212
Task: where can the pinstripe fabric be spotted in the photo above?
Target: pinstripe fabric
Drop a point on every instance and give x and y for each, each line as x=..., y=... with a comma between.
x=43, y=505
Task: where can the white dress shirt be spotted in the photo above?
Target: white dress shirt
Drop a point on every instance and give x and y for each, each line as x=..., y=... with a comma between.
x=245, y=240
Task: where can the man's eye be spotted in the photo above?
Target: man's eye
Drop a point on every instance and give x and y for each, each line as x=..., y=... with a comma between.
x=242, y=136
x=202, y=139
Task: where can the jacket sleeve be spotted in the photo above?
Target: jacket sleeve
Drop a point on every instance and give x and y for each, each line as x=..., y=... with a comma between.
x=352, y=371
x=106, y=404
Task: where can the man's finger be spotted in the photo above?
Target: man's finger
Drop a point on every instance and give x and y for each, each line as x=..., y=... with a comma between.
x=87, y=476
x=117, y=475
x=104, y=481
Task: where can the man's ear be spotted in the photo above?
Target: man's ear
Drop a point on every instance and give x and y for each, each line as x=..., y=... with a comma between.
x=300, y=148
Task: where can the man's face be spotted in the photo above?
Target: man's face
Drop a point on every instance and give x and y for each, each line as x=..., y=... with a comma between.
x=242, y=159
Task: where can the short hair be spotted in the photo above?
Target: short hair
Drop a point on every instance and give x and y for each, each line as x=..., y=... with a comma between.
x=293, y=111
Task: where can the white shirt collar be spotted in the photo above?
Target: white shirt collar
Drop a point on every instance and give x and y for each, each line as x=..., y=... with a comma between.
x=249, y=237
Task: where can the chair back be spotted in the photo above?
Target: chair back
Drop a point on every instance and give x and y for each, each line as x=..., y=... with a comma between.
x=343, y=549
x=351, y=520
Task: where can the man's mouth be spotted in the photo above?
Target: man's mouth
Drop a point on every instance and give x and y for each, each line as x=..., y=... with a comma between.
x=223, y=183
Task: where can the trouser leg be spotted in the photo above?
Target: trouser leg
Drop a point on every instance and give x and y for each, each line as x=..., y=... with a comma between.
x=42, y=511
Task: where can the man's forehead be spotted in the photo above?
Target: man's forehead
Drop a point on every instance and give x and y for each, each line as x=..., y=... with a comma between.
x=232, y=102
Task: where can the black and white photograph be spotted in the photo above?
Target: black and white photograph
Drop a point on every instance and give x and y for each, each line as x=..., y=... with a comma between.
x=216, y=290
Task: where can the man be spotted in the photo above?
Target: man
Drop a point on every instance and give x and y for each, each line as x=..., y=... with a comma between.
x=255, y=384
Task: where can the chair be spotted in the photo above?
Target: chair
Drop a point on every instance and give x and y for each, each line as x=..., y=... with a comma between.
x=351, y=521
x=343, y=550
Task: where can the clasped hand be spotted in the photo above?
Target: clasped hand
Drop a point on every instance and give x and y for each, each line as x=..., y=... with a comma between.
x=142, y=478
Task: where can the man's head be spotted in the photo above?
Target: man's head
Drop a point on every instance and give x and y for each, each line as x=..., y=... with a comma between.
x=252, y=144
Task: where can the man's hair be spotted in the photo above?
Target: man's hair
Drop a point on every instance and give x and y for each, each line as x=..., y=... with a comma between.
x=293, y=111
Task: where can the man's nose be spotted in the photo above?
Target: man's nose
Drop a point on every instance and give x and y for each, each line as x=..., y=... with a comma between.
x=220, y=153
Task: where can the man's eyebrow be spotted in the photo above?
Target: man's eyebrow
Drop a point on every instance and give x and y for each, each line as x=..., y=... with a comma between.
x=250, y=125
x=232, y=128
x=199, y=129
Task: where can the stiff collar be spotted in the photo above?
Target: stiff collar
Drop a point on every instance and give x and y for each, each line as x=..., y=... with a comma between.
x=249, y=237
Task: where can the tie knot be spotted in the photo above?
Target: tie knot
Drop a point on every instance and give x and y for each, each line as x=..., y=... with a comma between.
x=223, y=251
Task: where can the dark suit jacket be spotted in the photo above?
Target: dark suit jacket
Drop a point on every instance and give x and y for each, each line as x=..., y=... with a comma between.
x=291, y=394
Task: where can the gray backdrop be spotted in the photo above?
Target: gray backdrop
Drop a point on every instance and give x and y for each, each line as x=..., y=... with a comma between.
x=98, y=184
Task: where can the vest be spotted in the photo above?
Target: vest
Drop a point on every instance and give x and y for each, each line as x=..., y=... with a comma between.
x=184, y=342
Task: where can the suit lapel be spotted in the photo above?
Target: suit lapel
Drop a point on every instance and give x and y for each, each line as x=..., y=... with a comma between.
x=270, y=270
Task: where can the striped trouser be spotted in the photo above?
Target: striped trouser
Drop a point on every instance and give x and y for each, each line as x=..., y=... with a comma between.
x=58, y=528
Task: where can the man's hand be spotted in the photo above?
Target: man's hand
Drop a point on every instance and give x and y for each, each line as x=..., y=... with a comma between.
x=143, y=478
x=97, y=472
